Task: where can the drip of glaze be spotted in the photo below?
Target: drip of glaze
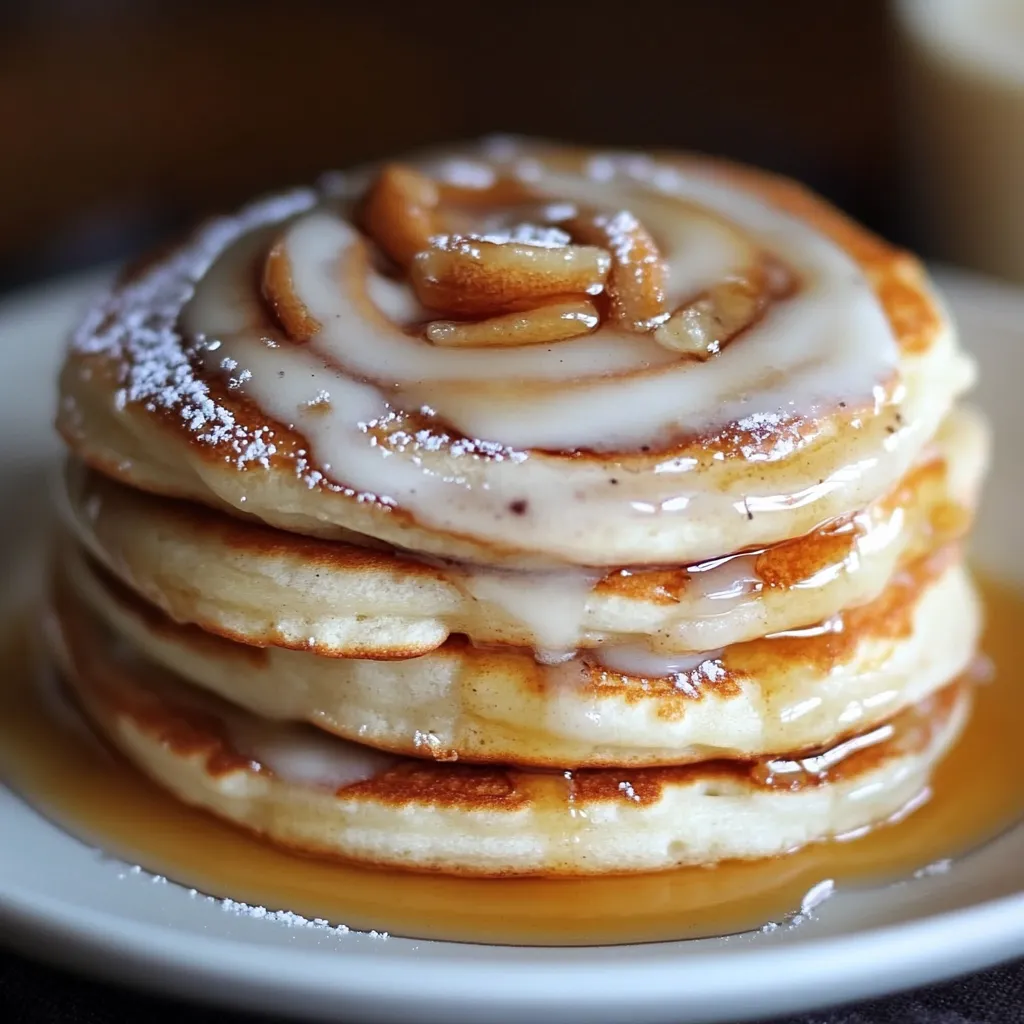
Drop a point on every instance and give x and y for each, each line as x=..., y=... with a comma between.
x=305, y=756
x=725, y=582
x=295, y=753
x=640, y=661
x=977, y=793
x=549, y=606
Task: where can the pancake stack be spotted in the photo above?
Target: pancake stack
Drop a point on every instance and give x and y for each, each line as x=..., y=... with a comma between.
x=524, y=510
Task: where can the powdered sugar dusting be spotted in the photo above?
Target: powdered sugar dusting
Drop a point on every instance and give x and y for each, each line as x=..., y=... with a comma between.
x=136, y=325
x=627, y=790
x=770, y=429
x=285, y=917
x=939, y=867
x=230, y=906
x=440, y=441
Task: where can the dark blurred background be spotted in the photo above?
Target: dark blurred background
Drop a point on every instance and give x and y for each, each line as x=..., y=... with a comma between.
x=123, y=119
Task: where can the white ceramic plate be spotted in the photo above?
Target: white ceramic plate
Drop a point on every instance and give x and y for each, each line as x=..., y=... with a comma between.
x=69, y=904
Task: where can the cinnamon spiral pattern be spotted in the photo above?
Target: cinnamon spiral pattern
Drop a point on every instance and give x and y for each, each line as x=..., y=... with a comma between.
x=524, y=355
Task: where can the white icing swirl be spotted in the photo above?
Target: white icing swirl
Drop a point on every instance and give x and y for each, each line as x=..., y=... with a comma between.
x=612, y=391
x=831, y=341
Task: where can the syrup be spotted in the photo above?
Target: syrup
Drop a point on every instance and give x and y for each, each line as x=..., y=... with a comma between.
x=977, y=793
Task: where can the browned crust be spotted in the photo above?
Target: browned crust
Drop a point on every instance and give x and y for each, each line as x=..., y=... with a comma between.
x=111, y=693
x=931, y=521
x=463, y=786
x=231, y=529
x=888, y=617
x=823, y=646
x=909, y=733
x=822, y=650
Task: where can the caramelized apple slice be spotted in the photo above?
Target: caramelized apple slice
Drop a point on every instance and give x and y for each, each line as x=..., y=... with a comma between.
x=636, y=284
x=399, y=212
x=278, y=289
x=473, y=277
x=702, y=327
x=555, y=321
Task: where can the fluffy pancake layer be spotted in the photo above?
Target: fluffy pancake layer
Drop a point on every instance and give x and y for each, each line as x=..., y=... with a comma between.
x=796, y=690
x=316, y=794
x=247, y=582
x=605, y=450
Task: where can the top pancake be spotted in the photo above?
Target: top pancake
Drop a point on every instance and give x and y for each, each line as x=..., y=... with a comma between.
x=601, y=450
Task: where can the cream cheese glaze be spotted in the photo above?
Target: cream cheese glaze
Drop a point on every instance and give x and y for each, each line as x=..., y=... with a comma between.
x=302, y=755
x=550, y=451
x=616, y=390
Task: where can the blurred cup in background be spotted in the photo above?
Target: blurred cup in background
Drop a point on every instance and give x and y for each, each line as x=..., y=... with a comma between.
x=961, y=71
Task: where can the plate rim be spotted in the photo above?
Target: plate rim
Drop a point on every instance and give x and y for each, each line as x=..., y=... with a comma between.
x=790, y=978
x=649, y=981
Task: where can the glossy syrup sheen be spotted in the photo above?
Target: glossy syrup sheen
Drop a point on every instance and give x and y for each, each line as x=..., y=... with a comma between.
x=977, y=793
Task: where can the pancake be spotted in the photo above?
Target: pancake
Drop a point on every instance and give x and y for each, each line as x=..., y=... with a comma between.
x=247, y=582
x=298, y=788
x=615, y=706
x=524, y=510
x=333, y=402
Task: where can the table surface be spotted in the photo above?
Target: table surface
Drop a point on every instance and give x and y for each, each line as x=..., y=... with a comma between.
x=31, y=993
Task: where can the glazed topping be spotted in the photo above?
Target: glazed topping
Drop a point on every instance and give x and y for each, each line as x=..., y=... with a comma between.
x=573, y=327
x=429, y=333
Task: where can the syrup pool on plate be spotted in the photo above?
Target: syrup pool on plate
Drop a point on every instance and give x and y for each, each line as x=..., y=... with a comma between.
x=976, y=794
